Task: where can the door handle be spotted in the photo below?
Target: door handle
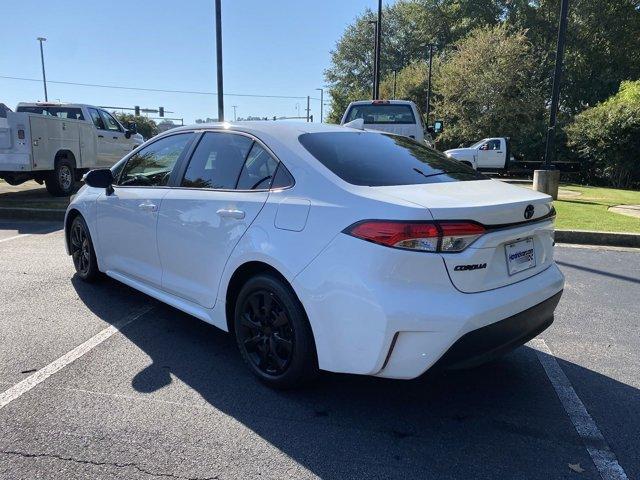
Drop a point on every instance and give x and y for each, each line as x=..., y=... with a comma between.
x=100, y=136
x=499, y=151
x=230, y=213
x=148, y=207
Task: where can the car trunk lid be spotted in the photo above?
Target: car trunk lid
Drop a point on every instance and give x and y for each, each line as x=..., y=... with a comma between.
x=518, y=242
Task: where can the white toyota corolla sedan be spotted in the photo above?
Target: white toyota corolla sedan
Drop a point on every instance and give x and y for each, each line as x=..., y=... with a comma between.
x=323, y=247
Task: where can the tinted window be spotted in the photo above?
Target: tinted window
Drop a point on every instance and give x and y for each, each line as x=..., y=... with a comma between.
x=282, y=178
x=60, y=112
x=382, y=113
x=258, y=170
x=109, y=121
x=97, y=119
x=376, y=159
x=217, y=161
x=152, y=165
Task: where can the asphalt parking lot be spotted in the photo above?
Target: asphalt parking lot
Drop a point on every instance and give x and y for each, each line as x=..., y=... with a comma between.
x=167, y=396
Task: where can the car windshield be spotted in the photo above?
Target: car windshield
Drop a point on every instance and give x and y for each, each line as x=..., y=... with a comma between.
x=382, y=113
x=376, y=159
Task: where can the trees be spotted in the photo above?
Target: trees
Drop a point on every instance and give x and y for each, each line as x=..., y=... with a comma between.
x=601, y=51
x=607, y=138
x=146, y=127
x=408, y=27
x=484, y=89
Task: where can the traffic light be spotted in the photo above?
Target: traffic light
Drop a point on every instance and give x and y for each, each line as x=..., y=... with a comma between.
x=136, y=111
x=161, y=111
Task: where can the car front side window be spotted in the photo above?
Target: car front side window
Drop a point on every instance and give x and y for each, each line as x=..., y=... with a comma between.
x=110, y=122
x=152, y=165
x=97, y=119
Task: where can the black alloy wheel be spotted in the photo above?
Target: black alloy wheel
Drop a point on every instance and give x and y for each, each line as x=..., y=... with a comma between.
x=273, y=333
x=82, y=252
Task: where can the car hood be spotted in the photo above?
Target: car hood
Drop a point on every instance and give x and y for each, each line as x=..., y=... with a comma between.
x=459, y=151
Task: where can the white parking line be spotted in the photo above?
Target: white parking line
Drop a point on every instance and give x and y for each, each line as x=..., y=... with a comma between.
x=603, y=457
x=41, y=375
x=15, y=236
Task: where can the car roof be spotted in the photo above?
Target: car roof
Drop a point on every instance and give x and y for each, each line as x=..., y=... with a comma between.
x=272, y=128
x=382, y=102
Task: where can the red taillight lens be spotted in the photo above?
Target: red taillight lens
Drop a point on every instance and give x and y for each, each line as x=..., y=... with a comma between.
x=425, y=236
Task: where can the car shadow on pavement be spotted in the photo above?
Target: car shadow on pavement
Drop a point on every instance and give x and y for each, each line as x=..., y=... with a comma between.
x=501, y=420
x=31, y=227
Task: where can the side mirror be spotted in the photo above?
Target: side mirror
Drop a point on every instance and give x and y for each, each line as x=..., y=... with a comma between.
x=132, y=129
x=100, y=178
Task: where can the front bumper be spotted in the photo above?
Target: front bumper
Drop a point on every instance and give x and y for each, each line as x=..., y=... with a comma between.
x=494, y=340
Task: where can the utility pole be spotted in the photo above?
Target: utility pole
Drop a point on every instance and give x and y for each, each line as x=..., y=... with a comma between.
x=234, y=112
x=376, y=63
x=395, y=78
x=547, y=180
x=374, y=94
x=321, y=102
x=219, y=61
x=44, y=76
x=549, y=150
x=308, y=108
x=431, y=45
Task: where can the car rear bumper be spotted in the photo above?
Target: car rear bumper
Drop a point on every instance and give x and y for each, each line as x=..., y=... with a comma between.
x=496, y=339
x=392, y=313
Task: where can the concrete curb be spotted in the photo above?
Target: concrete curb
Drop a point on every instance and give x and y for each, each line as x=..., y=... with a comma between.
x=588, y=237
x=26, y=213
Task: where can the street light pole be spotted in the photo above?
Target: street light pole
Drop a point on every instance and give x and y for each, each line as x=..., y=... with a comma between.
x=321, y=102
x=44, y=76
x=555, y=93
x=308, y=107
x=219, y=61
x=374, y=94
x=431, y=45
x=376, y=63
x=234, y=112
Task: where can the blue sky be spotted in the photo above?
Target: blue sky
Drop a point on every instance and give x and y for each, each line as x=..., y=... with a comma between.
x=271, y=47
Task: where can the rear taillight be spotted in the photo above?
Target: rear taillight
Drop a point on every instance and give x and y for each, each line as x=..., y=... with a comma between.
x=424, y=236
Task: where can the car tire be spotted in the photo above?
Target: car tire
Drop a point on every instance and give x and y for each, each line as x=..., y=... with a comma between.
x=273, y=333
x=82, y=251
x=61, y=181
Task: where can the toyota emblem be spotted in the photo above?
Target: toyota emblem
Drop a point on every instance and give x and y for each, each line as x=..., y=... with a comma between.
x=528, y=212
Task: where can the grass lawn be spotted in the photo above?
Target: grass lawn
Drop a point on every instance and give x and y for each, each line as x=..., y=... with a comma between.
x=588, y=211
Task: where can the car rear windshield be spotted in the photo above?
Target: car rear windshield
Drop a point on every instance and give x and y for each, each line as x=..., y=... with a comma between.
x=376, y=159
x=382, y=113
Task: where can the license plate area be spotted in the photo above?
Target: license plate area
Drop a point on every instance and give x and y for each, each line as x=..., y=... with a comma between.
x=521, y=256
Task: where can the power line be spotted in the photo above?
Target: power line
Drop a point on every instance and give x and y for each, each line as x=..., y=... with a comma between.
x=158, y=90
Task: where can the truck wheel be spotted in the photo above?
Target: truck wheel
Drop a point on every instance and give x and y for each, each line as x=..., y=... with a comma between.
x=61, y=181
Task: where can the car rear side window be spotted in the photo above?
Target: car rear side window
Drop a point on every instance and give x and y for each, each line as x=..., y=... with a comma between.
x=258, y=170
x=382, y=114
x=217, y=161
x=376, y=159
x=152, y=165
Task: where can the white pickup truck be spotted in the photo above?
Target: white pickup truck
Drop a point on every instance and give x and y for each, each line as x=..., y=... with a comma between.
x=56, y=143
x=487, y=154
x=400, y=117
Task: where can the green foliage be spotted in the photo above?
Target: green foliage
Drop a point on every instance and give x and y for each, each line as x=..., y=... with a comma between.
x=411, y=83
x=607, y=138
x=601, y=51
x=146, y=127
x=484, y=89
x=408, y=27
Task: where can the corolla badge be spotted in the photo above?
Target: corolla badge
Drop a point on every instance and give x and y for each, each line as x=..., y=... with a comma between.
x=528, y=212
